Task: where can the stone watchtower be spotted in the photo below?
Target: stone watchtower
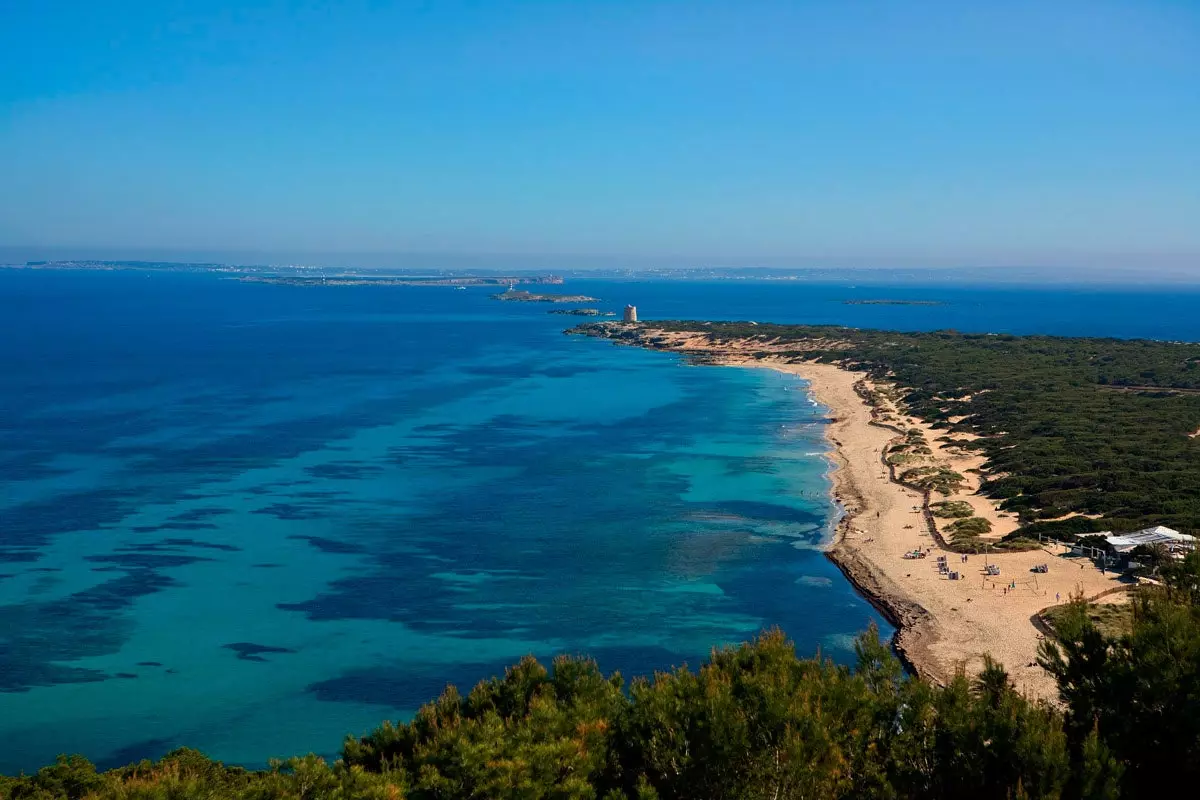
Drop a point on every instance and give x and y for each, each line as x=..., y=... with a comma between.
x=630, y=314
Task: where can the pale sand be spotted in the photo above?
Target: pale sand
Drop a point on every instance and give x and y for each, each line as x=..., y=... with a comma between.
x=943, y=626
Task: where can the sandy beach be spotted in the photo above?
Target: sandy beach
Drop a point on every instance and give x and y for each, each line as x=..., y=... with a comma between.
x=943, y=625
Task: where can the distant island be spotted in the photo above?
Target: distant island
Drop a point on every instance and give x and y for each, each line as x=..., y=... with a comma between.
x=519, y=296
x=893, y=303
x=582, y=312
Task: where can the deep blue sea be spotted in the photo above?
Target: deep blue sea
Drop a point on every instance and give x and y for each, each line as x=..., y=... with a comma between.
x=252, y=519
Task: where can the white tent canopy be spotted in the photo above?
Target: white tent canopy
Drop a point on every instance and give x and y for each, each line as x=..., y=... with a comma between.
x=1159, y=534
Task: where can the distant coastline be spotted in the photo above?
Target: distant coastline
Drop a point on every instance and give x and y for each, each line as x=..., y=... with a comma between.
x=364, y=280
x=885, y=278
x=295, y=275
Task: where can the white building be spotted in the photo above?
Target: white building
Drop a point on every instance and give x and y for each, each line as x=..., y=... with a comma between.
x=1159, y=534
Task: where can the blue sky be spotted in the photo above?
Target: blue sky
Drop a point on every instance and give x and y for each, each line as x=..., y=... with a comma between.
x=840, y=133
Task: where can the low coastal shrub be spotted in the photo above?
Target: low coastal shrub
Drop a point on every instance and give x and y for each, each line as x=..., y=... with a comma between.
x=952, y=509
x=970, y=526
x=1017, y=544
x=1064, y=530
x=943, y=480
x=961, y=444
x=910, y=448
x=1113, y=620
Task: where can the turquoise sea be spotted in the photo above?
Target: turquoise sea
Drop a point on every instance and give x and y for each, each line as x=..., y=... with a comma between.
x=252, y=519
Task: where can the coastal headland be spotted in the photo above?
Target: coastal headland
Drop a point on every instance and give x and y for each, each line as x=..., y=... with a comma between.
x=398, y=280
x=889, y=541
x=581, y=312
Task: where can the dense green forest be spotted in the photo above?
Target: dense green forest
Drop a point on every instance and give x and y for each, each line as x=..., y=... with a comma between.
x=757, y=722
x=1102, y=429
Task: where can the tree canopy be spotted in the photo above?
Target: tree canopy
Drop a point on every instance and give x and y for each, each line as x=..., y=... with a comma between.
x=755, y=721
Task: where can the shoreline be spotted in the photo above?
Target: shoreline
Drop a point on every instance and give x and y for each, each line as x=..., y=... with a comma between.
x=943, y=627
x=909, y=618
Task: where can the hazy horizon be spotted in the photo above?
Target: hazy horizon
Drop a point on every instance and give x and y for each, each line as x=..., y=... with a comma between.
x=844, y=135
x=1117, y=271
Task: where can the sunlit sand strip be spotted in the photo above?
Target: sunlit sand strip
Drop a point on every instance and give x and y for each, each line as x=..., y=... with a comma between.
x=943, y=625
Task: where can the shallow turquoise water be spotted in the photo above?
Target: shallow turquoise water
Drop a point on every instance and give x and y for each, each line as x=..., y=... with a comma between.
x=252, y=519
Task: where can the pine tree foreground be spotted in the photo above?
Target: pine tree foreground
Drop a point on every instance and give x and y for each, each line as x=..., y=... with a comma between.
x=756, y=722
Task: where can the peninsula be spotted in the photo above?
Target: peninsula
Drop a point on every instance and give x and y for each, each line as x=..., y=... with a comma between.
x=398, y=280
x=979, y=450
x=582, y=312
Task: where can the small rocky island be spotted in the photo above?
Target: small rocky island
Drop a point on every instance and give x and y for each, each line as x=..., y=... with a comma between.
x=893, y=303
x=582, y=312
x=521, y=296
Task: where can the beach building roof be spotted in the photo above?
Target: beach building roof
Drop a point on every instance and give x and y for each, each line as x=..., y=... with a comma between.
x=1159, y=534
